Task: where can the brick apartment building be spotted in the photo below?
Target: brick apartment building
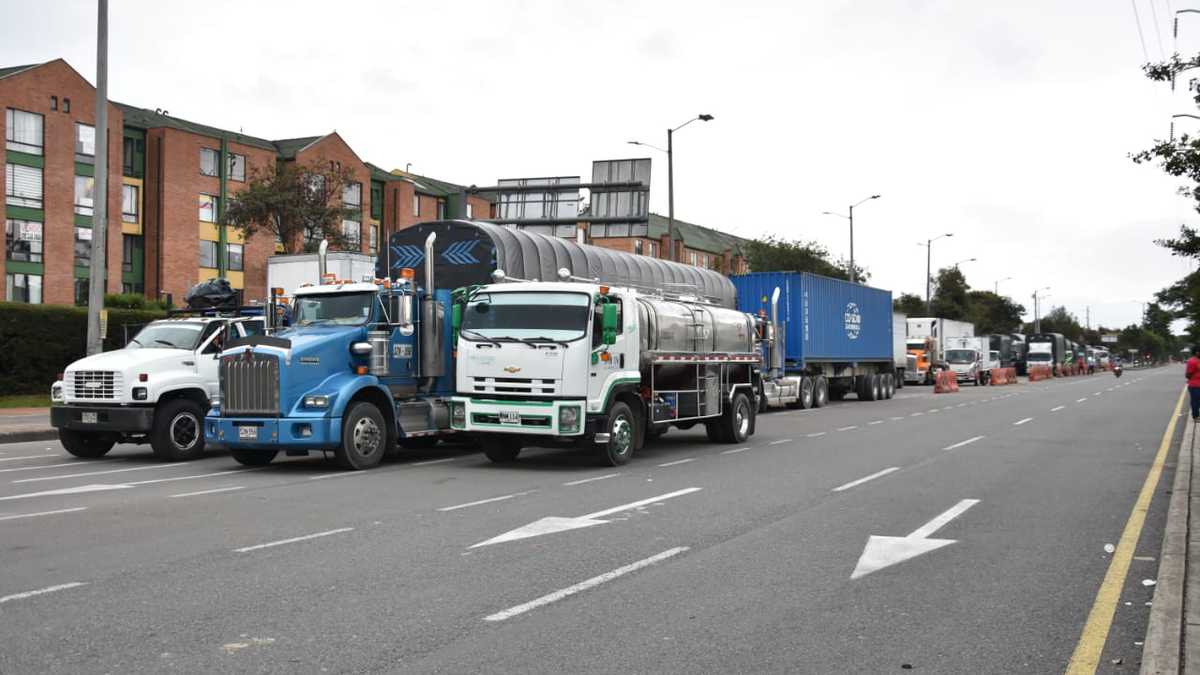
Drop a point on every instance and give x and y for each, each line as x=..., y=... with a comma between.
x=694, y=244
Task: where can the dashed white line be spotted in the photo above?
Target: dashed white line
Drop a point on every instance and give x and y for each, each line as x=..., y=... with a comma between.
x=99, y=473
x=208, y=492
x=584, y=585
x=849, y=428
x=191, y=476
x=1020, y=422
x=962, y=443
x=933, y=410
x=43, y=513
x=876, y=422
x=780, y=441
x=434, y=461
x=895, y=419
x=482, y=501
x=678, y=461
x=1057, y=408
x=339, y=474
x=41, y=466
x=41, y=591
x=916, y=414
x=1097, y=393
x=864, y=479
x=814, y=435
x=961, y=405
x=735, y=450
x=281, y=542
x=594, y=478
x=1081, y=400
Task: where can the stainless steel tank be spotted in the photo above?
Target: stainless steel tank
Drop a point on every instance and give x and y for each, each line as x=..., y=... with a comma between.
x=678, y=326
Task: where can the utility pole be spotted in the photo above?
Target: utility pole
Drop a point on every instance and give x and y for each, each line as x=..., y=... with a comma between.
x=98, y=272
x=670, y=196
x=1088, y=321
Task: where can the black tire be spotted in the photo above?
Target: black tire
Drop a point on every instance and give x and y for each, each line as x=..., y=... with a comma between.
x=876, y=387
x=364, y=437
x=253, y=457
x=622, y=426
x=86, y=444
x=738, y=420
x=806, y=395
x=178, y=433
x=713, y=430
x=820, y=392
x=501, y=449
x=891, y=385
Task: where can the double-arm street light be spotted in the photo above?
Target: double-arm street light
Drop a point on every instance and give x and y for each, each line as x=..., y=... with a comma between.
x=997, y=291
x=928, y=269
x=671, y=179
x=1037, y=318
x=850, y=217
x=964, y=261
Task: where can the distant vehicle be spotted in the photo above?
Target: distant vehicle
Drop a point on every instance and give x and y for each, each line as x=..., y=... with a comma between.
x=1003, y=345
x=1046, y=350
x=971, y=360
x=1020, y=349
x=926, y=340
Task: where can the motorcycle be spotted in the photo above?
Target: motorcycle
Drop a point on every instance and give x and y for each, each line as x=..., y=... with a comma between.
x=1117, y=370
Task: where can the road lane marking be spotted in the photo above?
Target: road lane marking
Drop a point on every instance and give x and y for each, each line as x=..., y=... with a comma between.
x=43, y=513
x=939, y=522
x=13, y=459
x=1097, y=393
x=42, y=466
x=1086, y=657
x=1057, y=408
x=815, y=435
x=849, y=428
x=934, y=410
x=281, y=542
x=1081, y=400
x=589, y=480
x=735, y=450
x=678, y=461
x=881, y=552
x=895, y=419
x=961, y=405
x=434, y=461
x=876, y=422
x=962, y=443
x=916, y=414
x=340, y=474
x=780, y=441
x=1020, y=422
x=484, y=501
x=42, y=591
x=208, y=492
x=195, y=475
x=79, y=489
x=864, y=479
x=100, y=473
x=584, y=585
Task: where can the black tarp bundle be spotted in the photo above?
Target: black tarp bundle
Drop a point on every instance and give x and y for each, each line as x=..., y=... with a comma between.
x=214, y=293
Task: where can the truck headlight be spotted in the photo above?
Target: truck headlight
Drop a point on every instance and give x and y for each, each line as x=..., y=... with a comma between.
x=458, y=415
x=56, y=392
x=316, y=401
x=568, y=418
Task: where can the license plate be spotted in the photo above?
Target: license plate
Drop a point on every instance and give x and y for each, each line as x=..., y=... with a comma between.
x=248, y=433
x=89, y=418
x=510, y=417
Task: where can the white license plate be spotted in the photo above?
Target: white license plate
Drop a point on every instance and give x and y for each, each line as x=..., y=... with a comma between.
x=510, y=417
x=88, y=418
x=248, y=433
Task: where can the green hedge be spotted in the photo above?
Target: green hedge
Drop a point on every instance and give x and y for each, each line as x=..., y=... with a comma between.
x=38, y=341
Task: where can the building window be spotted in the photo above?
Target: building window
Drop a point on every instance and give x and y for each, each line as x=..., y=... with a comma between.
x=208, y=208
x=135, y=287
x=352, y=231
x=23, y=131
x=23, y=241
x=441, y=209
x=133, y=156
x=129, y=203
x=22, y=186
x=25, y=288
x=653, y=249
x=82, y=288
x=416, y=205
x=209, y=159
x=470, y=210
x=128, y=243
x=237, y=167
x=66, y=105
x=352, y=196
x=85, y=142
x=83, y=247
x=208, y=253
x=637, y=247
x=85, y=195
x=234, y=254
x=693, y=258
x=376, y=201
x=373, y=238
x=54, y=103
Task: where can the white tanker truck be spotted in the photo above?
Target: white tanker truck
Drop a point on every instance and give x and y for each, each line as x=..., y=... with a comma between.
x=578, y=362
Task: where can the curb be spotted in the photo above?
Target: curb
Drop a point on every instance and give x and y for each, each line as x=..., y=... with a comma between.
x=26, y=436
x=1165, y=634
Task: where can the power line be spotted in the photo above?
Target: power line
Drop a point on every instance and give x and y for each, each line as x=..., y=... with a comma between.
x=1154, y=16
x=1141, y=38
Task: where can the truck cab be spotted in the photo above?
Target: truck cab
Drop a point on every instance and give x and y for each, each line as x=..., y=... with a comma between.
x=155, y=390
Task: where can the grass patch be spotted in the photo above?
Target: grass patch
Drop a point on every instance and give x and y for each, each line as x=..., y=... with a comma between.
x=30, y=401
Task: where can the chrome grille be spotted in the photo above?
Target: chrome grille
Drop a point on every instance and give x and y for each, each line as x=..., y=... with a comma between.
x=514, y=385
x=95, y=385
x=250, y=385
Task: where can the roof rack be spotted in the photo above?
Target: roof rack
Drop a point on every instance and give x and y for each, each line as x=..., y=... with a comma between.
x=224, y=312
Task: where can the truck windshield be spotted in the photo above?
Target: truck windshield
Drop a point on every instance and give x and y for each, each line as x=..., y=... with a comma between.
x=960, y=355
x=522, y=315
x=344, y=309
x=166, y=335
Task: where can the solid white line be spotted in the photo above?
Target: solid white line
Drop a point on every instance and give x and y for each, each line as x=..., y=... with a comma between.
x=819, y=433
x=43, y=466
x=735, y=450
x=195, y=475
x=962, y=443
x=589, y=480
x=1057, y=408
x=281, y=542
x=1081, y=400
x=678, y=461
x=640, y=502
x=42, y=591
x=940, y=521
x=43, y=513
x=876, y=422
x=434, y=461
x=340, y=474
x=852, y=426
x=481, y=501
x=1020, y=422
x=864, y=479
x=780, y=441
x=584, y=585
x=209, y=492
x=100, y=473
x=13, y=459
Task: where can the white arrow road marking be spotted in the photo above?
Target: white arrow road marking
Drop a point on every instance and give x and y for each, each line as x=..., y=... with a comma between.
x=962, y=443
x=553, y=524
x=860, y=481
x=96, y=487
x=884, y=552
x=41, y=591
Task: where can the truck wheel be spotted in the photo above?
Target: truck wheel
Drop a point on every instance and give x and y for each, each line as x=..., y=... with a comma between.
x=877, y=387
x=253, y=457
x=364, y=437
x=88, y=445
x=820, y=392
x=735, y=423
x=501, y=449
x=891, y=385
x=621, y=427
x=178, y=433
x=898, y=379
x=808, y=394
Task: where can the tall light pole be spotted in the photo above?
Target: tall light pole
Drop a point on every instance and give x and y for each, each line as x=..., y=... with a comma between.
x=853, y=269
x=964, y=261
x=929, y=269
x=671, y=179
x=1037, y=316
x=97, y=274
x=997, y=291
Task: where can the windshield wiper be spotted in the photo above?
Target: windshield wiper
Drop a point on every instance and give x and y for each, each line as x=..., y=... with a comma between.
x=172, y=345
x=481, y=336
x=135, y=340
x=543, y=338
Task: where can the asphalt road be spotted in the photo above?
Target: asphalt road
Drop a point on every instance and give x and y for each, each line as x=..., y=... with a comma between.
x=695, y=557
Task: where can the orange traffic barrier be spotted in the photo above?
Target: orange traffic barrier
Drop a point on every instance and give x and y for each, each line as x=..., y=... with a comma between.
x=1037, y=373
x=946, y=382
x=1003, y=376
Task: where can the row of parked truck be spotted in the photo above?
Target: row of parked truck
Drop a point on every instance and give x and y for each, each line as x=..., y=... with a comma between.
x=508, y=338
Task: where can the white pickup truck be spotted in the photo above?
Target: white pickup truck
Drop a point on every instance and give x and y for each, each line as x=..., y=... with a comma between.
x=156, y=390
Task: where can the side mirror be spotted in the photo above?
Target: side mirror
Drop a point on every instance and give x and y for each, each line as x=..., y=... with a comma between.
x=608, y=323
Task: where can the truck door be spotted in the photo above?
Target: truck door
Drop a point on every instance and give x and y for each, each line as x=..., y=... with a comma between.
x=209, y=353
x=611, y=364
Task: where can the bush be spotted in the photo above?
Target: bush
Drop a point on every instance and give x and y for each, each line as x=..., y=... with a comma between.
x=39, y=341
x=132, y=301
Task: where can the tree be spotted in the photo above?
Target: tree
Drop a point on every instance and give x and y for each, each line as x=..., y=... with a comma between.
x=772, y=253
x=300, y=204
x=950, y=295
x=1059, y=320
x=910, y=304
x=993, y=313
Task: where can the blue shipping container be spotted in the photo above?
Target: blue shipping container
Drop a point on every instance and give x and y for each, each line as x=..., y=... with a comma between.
x=825, y=319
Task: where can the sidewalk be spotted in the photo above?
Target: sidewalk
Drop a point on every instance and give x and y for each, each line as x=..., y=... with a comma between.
x=25, y=424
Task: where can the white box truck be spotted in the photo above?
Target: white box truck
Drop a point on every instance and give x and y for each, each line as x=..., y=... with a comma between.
x=289, y=271
x=926, y=341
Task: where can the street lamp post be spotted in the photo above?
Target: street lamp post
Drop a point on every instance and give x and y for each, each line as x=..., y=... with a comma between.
x=853, y=269
x=964, y=261
x=671, y=179
x=929, y=269
x=1037, y=316
x=997, y=291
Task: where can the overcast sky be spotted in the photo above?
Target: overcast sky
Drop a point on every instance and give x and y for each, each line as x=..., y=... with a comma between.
x=1008, y=125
